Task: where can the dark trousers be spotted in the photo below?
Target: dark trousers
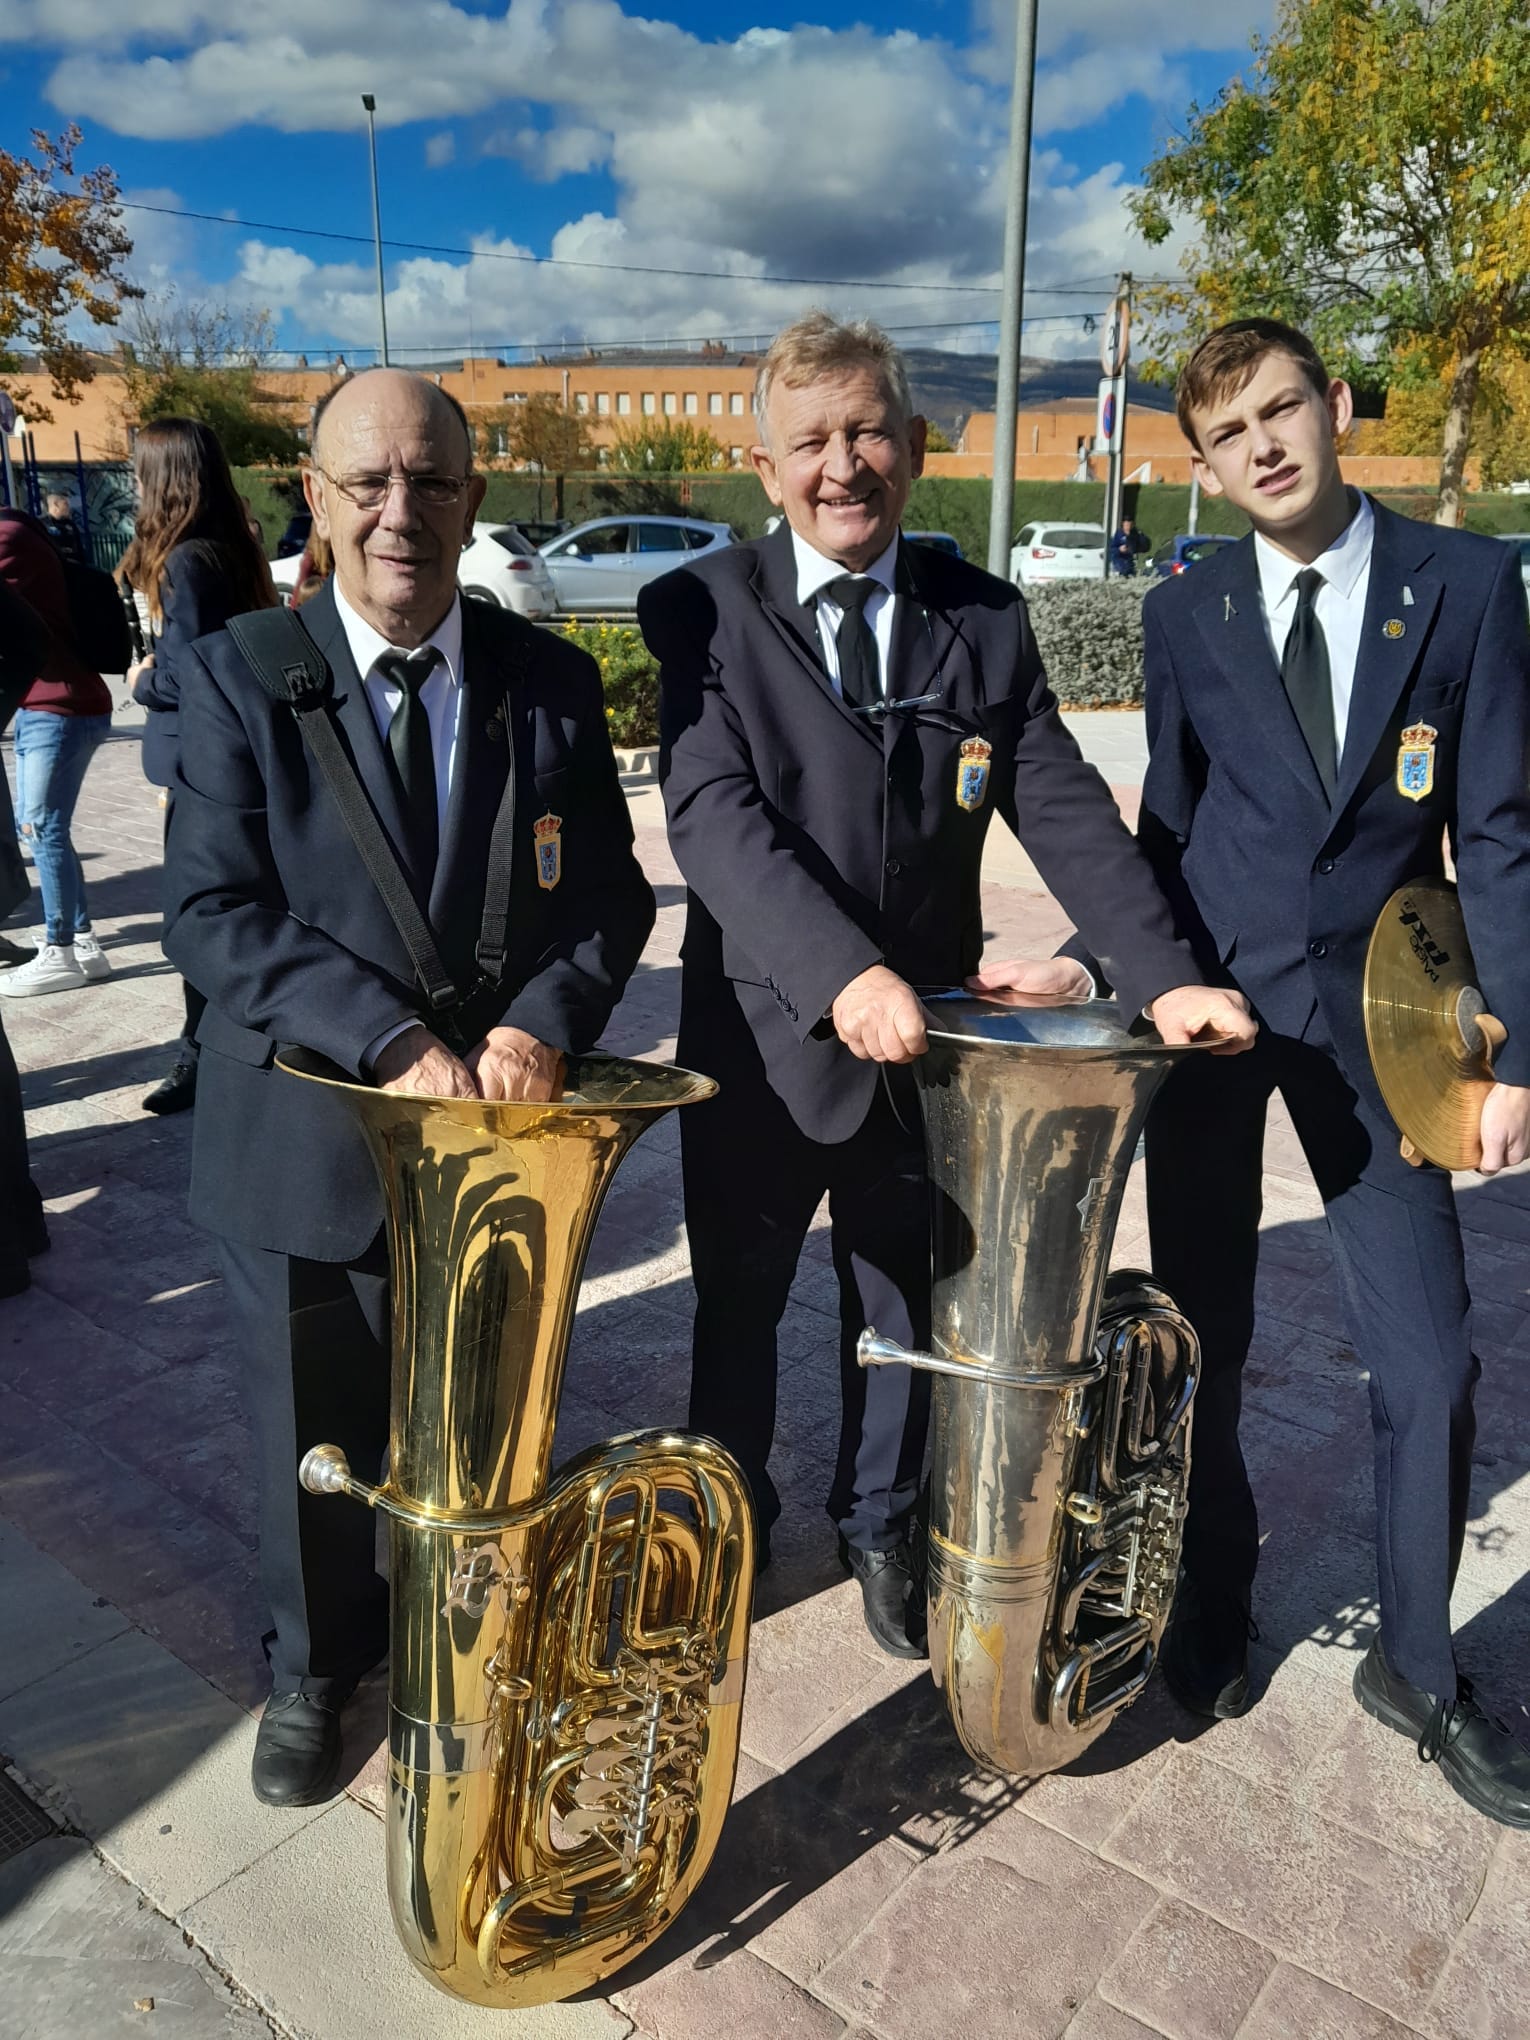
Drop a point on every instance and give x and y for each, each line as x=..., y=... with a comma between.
x=22, y=1229
x=753, y=1180
x=196, y=1002
x=313, y=1349
x=1397, y=1246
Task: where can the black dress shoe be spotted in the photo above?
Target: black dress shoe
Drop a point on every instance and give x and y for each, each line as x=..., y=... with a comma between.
x=14, y=952
x=1479, y=1756
x=178, y=1092
x=1205, y=1650
x=297, y=1750
x=894, y=1611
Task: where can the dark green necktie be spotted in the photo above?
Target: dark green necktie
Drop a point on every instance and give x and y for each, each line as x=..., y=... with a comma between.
x=860, y=671
x=414, y=757
x=1308, y=680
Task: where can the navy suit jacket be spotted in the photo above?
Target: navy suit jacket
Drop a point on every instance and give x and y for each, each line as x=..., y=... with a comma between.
x=196, y=598
x=1275, y=886
x=816, y=841
x=271, y=912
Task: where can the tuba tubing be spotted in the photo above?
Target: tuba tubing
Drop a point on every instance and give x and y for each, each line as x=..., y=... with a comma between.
x=568, y=1653
x=1061, y=1398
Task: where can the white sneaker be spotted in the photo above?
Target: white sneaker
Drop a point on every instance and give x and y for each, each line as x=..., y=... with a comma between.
x=52, y=969
x=89, y=956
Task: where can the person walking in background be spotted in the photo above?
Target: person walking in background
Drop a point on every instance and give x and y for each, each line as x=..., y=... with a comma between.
x=24, y=646
x=63, y=720
x=1125, y=546
x=58, y=522
x=196, y=563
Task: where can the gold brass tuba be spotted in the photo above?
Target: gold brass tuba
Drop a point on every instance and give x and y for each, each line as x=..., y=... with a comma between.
x=567, y=1665
x=1060, y=1421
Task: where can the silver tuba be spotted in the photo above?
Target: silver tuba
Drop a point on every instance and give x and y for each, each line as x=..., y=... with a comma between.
x=1060, y=1415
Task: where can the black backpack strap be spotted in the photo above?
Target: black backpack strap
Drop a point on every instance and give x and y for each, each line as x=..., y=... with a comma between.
x=289, y=665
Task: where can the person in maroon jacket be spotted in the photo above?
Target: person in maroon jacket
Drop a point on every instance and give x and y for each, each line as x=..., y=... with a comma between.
x=63, y=720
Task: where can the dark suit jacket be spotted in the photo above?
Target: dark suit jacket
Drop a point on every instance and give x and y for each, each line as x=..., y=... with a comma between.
x=1274, y=885
x=271, y=912
x=816, y=841
x=197, y=597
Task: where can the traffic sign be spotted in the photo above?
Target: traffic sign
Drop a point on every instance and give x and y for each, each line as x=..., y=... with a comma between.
x=1110, y=405
x=1116, y=337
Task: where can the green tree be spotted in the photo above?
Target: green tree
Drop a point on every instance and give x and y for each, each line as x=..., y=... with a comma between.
x=936, y=440
x=187, y=359
x=667, y=446
x=62, y=248
x=541, y=432
x=1415, y=418
x=1369, y=178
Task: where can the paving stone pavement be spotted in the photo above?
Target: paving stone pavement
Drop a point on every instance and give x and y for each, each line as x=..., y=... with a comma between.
x=1297, y=1875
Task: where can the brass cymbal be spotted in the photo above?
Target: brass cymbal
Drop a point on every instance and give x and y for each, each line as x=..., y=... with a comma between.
x=1430, y=1037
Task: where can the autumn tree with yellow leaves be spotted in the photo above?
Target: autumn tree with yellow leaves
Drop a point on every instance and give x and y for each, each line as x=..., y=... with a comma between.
x=62, y=247
x=1368, y=179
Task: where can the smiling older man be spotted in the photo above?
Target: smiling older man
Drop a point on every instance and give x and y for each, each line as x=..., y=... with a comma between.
x=842, y=712
x=272, y=913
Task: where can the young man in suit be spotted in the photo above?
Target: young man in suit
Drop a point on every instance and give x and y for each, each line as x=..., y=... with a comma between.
x=271, y=912
x=1286, y=679
x=841, y=715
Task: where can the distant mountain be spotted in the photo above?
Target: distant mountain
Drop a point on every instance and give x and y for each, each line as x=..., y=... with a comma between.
x=949, y=387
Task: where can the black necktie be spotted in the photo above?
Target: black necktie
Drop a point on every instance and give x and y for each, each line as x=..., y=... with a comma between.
x=414, y=757
x=1308, y=681
x=860, y=672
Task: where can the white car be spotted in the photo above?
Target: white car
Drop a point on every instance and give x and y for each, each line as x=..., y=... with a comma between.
x=498, y=565
x=602, y=565
x=1057, y=552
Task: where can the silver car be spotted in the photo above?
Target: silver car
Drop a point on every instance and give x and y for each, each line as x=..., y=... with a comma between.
x=601, y=565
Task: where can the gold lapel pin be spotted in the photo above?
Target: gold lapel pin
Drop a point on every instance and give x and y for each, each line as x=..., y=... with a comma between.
x=1393, y=627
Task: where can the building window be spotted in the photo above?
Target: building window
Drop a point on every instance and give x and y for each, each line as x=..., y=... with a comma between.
x=736, y=404
x=650, y=403
x=603, y=403
x=669, y=403
x=715, y=404
x=581, y=402
x=691, y=405
x=513, y=397
x=623, y=404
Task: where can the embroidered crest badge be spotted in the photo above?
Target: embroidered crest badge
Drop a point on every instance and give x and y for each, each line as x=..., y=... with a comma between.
x=548, y=837
x=972, y=772
x=1415, y=761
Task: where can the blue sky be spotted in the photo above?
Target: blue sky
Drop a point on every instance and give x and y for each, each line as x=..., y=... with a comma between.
x=749, y=142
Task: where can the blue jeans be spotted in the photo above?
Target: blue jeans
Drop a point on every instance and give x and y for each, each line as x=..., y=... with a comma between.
x=52, y=752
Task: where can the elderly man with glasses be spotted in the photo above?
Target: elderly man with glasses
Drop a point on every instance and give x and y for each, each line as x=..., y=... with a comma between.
x=273, y=912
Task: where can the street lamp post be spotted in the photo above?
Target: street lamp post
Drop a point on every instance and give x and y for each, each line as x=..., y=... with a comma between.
x=370, y=103
x=1007, y=401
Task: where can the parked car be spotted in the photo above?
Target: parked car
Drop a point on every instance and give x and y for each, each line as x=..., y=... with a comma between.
x=941, y=540
x=540, y=530
x=602, y=564
x=497, y=565
x=1057, y=552
x=1186, y=549
x=500, y=565
x=1522, y=540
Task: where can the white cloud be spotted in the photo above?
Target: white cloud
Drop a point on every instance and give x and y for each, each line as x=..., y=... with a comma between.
x=804, y=152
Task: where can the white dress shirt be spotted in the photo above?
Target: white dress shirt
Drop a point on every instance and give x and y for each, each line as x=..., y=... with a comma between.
x=1340, y=604
x=441, y=694
x=815, y=571
x=442, y=697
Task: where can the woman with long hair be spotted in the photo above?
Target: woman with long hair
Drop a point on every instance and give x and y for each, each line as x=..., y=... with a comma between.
x=196, y=562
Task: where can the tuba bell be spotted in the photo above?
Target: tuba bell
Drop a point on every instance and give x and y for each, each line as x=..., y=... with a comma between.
x=1061, y=1401
x=567, y=1661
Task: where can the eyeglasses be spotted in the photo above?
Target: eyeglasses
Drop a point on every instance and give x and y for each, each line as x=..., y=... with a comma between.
x=370, y=492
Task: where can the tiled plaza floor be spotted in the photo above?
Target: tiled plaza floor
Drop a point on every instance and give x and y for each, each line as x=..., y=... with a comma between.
x=1297, y=1875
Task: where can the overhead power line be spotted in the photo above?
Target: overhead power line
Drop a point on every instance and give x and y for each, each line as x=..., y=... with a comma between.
x=1083, y=287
